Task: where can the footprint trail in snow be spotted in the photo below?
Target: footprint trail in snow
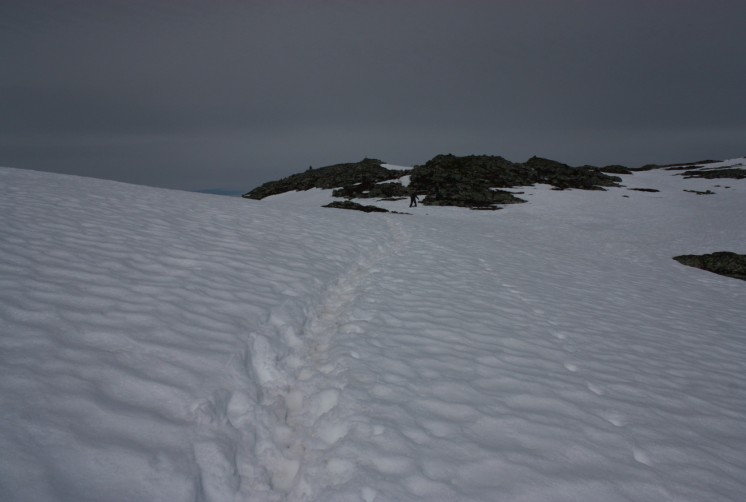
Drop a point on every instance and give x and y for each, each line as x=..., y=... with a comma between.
x=305, y=388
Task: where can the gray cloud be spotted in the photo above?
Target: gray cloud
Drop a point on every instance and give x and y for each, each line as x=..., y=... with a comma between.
x=197, y=94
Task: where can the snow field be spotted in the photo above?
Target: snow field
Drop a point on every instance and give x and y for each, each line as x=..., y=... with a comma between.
x=547, y=400
x=161, y=345
x=140, y=333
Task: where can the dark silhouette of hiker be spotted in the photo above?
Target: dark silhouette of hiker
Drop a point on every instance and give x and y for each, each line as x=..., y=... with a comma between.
x=413, y=200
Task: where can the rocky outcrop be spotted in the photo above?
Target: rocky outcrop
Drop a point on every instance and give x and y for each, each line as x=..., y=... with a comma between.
x=474, y=181
x=365, y=173
x=367, y=190
x=563, y=176
x=446, y=180
x=722, y=263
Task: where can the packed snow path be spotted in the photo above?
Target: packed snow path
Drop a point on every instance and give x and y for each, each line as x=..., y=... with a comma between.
x=159, y=345
x=304, y=390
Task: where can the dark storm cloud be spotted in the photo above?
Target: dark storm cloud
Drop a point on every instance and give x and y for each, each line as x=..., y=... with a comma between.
x=196, y=94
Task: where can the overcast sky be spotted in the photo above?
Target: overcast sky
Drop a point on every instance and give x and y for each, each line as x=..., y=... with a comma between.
x=226, y=93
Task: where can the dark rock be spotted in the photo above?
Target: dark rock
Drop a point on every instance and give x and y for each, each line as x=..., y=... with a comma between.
x=644, y=189
x=347, y=204
x=446, y=180
x=692, y=165
x=468, y=195
x=365, y=173
x=722, y=262
x=472, y=181
x=372, y=190
x=674, y=167
x=713, y=174
x=563, y=176
x=708, y=192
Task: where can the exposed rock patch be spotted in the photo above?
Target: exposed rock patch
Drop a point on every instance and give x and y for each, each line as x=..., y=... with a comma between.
x=446, y=180
x=370, y=189
x=698, y=192
x=614, y=169
x=712, y=174
x=474, y=181
x=722, y=262
x=675, y=167
x=563, y=176
x=348, y=204
x=364, y=174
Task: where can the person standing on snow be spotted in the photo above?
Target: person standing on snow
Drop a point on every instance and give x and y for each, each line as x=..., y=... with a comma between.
x=413, y=200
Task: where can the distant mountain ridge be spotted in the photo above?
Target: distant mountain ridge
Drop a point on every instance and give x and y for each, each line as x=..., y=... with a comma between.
x=445, y=180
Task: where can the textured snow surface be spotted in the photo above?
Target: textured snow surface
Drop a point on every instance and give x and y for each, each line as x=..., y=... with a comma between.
x=164, y=345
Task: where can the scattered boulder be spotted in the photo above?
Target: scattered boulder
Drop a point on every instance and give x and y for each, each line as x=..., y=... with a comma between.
x=347, y=204
x=722, y=262
x=707, y=192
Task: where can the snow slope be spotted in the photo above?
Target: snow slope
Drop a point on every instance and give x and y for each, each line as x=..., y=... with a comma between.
x=164, y=345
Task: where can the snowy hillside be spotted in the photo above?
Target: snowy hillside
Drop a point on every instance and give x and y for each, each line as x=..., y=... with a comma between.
x=160, y=345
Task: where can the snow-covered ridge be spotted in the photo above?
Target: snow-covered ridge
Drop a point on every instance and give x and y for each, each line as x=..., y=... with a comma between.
x=165, y=345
